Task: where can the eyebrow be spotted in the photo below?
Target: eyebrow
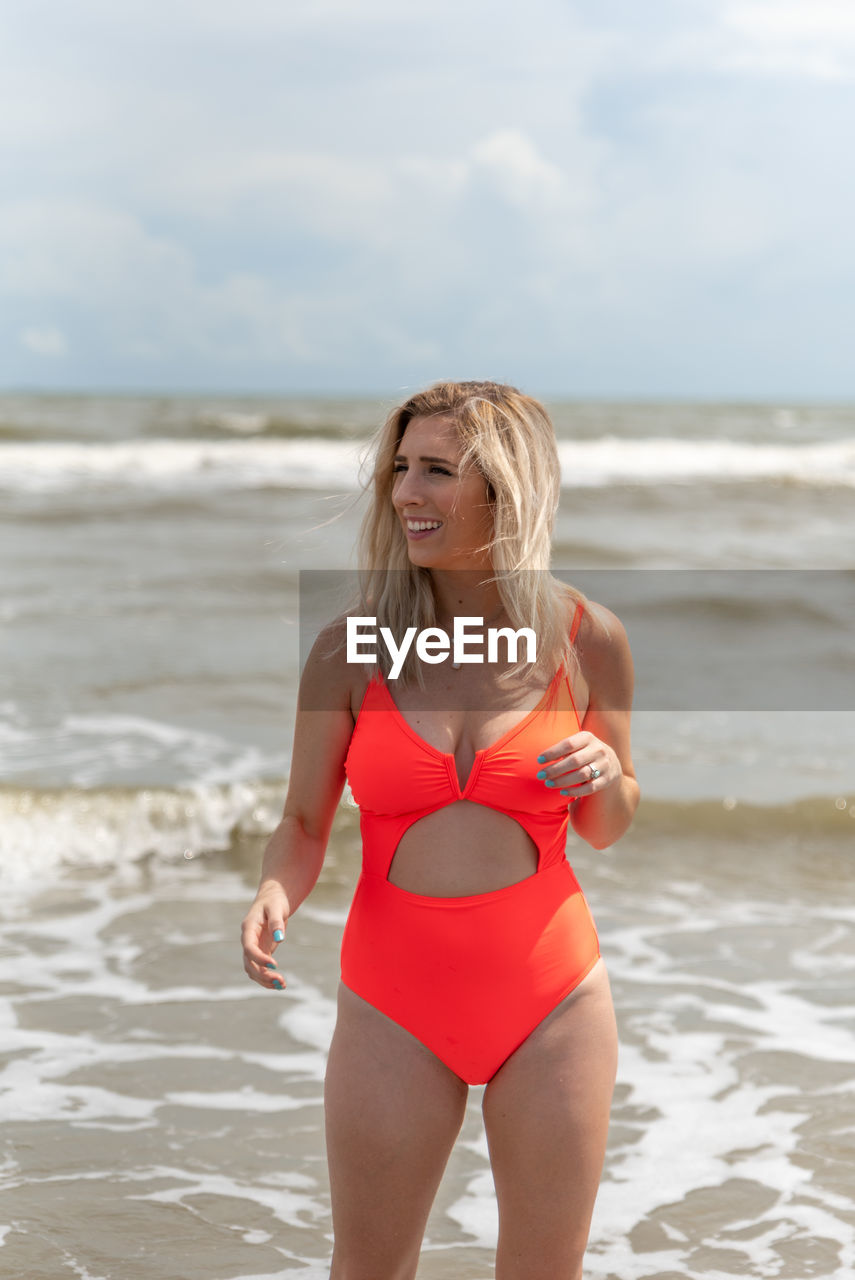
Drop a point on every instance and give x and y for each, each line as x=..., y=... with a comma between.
x=402, y=457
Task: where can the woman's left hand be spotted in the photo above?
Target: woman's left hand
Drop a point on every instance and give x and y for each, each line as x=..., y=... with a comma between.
x=579, y=766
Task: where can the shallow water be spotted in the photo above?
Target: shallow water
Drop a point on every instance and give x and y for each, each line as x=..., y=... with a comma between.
x=161, y=1115
x=159, y=1106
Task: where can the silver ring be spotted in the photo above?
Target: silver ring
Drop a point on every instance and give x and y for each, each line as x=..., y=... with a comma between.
x=595, y=773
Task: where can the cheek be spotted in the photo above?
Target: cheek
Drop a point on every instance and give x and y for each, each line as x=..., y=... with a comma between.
x=485, y=507
x=475, y=497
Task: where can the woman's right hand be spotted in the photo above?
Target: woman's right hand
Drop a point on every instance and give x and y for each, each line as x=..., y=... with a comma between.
x=262, y=930
x=295, y=851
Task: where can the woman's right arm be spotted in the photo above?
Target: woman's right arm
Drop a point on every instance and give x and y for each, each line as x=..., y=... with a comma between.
x=295, y=852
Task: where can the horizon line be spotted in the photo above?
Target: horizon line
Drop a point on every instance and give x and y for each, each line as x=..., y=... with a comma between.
x=779, y=400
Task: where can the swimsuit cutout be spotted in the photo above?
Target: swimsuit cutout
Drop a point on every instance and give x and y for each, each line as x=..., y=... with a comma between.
x=470, y=977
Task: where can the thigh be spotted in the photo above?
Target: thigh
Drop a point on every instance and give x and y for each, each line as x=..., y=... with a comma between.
x=546, y=1113
x=393, y=1111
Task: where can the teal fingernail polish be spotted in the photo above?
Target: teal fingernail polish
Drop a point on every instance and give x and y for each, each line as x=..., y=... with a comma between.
x=280, y=986
x=270, y=966
x=541, y=760
x=542, y=774
x=549, y=783
x=278, y=935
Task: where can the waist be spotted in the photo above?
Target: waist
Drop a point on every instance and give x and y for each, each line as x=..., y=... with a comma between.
x=554, y=882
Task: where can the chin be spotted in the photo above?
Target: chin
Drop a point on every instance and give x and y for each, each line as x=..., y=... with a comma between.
x=424, y=560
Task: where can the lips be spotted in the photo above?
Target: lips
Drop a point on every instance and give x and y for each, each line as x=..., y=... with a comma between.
x=421, y=529
x=423, y=526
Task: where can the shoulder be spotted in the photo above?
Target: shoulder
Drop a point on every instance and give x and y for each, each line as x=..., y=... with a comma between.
x=599, y=627
x=329, y=682
x=605, y=657
x=322, y=735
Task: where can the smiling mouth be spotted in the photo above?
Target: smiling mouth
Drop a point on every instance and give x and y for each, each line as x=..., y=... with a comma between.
x=423, y=526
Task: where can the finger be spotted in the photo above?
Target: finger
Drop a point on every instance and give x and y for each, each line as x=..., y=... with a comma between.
x=562, y=748
x=266, y=975
x=275, y=979
x=272, y=977
x=270, y=981
x=558, y=774
x=574, y=790
x=552, y=769
x=252, y=948
x=586, y=785
x=276, y=928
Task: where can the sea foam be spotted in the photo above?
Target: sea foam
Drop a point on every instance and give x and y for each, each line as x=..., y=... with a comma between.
x=204, y=466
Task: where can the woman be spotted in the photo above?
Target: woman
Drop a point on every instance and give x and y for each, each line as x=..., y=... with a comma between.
x=469, y=955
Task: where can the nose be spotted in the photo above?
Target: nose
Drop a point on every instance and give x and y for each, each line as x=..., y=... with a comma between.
x=407, y=490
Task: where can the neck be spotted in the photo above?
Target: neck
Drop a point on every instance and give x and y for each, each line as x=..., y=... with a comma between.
x=464, y=593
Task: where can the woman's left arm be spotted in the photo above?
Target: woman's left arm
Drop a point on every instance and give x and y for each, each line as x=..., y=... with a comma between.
x=604, y=804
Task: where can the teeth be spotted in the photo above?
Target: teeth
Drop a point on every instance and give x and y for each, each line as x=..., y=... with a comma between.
x=418, y=526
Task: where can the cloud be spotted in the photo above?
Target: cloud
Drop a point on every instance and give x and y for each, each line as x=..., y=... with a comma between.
x=333, y=195
x=147, y=298
x=45, y=341
x=815, y=40
x=743, y=40
x=85, y=250
x=347, y=193
x=522, y=176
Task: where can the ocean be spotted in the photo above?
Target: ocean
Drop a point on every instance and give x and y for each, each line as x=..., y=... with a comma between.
x=162, y=1116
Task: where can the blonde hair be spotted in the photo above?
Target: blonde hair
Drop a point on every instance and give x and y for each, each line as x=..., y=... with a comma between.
x=509, y=438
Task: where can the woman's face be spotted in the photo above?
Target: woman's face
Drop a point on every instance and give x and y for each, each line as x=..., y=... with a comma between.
x=428, y=489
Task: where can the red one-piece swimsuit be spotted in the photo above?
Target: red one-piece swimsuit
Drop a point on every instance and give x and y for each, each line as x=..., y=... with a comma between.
x=470, y=977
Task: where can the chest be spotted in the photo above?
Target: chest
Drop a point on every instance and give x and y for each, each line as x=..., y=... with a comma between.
x=426, y=752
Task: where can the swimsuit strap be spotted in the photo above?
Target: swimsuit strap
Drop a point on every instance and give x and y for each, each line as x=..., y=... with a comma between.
x=577, y=618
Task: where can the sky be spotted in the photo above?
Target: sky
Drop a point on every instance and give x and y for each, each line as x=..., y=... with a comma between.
x=601, y=198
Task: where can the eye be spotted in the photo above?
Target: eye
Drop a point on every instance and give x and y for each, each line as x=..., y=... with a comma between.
x=442, y=471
